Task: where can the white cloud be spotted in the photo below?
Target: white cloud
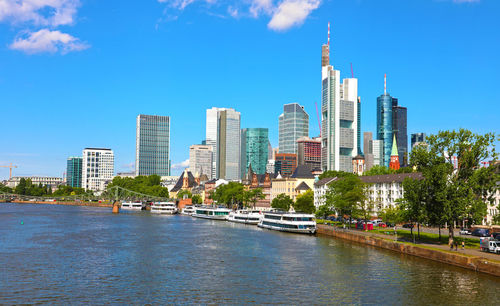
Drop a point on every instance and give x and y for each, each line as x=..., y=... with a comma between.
x=292, y=13
x=465, y=1
x=233, y=12
x=49, y=41
x=261, y=6
x=39, y=12
x=181, y=165
x=182, y=4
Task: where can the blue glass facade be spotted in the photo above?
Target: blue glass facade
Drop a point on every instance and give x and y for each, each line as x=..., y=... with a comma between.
x=254, y=150
x=384, y=125
x=74, y=172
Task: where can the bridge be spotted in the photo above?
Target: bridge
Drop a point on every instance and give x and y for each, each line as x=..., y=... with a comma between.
x=113, y=194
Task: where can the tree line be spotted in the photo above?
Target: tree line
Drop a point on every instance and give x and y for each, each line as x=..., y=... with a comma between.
x=150, y=185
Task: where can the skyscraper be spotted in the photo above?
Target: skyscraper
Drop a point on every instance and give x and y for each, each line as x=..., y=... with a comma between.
x=74, y=172
x=378, y=152
x=417, y=138
x=360, y=152
x=152, y=148
x=368, y=149
x=200, y=160
x=309, y=152
x=339, y=117
x=98, y=168
x=223, y=135
x=285, y=163
x=384, y=124
x=399, y=127
x=254, y=150
x=293, y=124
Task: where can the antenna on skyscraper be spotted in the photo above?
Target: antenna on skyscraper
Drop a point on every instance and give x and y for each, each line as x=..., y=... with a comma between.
x=352, y=72
x=319, y=121
x=328, y=33
x=385, y=84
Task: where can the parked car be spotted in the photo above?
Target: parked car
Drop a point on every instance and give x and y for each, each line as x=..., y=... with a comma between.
x=481, y=232
x=408, y=225
x=465, y=231
x=496, y=236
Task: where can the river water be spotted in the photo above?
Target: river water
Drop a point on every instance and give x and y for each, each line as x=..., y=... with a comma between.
x=80, y=255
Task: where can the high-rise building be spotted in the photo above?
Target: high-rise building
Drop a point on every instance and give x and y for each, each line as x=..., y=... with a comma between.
x=223, y=135
x=200, y=160
x=339, y=118
x=309, y=152
x=368, y=149
x=384, y=124
x=152, y=145
x=293, y=124
x=74, y=172
x=98, y=168
x=399, y=127
x=285, y=164
x=378, y=152
x=417, y=138
x=254, y=150
x=360, y=152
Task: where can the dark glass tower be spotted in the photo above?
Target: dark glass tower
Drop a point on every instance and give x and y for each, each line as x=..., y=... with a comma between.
x=74, y=172
x=399, y=127
x=384, y=125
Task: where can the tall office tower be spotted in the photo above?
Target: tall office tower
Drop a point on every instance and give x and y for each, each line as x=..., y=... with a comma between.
x=74, y=172
x=254, y=150
x=293, y=124
x=368, y=149
x=152, y=145
x=417, y=138
x=98, y=168
x=223, y=135
x=360, y=152
x=399, y=128
x=339, y=118
x=200, y=160
x=269, y=151
x=378, y=152
x=285, y=163
x=309, y=152
x=385, y=124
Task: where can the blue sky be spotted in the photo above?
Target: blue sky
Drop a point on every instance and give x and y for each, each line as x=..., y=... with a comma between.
x=76, y=73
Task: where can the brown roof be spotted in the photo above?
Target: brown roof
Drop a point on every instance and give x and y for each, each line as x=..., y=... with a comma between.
x=302, y=186
x=390, y=178
x=325, y=181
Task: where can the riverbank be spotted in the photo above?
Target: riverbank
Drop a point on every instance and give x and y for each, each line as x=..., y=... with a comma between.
x=467, y=261
x=71, y=203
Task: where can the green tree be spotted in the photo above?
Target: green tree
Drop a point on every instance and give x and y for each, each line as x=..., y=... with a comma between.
x=21, y=187
x=378, y=170
x=324, y=211
x=344, y=195
x=412, y=205
x=150, y=185
x=183, y=193
x=305, y=203
x=196, y=199
x=282, y=202
x=230, y=194
x=390, y=215
x=255, y=195
x=462, y=193
x=333, y=173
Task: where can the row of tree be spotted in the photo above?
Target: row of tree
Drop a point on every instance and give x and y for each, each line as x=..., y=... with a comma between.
x=447, y=195
x=234, y=194
x=304, y=202
x=150, y=185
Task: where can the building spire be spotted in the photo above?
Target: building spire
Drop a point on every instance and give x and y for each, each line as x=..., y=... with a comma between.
x=385, y=84
x=328, y=33
x=394, y=151
x=394, y=164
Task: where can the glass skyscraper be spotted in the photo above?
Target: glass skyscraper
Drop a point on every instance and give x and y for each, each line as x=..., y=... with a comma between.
x=293, y=124
x=384, y=126
x=74, y=172
x=399, y=126
x=254, y=150
x=152, y=154
x=417, y=138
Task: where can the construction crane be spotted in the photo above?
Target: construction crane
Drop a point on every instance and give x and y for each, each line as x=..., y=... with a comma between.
x=10, y=169
x=319, y=121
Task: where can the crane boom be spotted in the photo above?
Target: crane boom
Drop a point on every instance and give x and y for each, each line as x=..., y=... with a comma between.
x=319, y=121
x=10, y=169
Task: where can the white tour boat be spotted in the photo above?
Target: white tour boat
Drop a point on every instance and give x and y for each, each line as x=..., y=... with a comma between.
x=164, y=208
x=289, y=222
x=132, y=205
x=246, y=216
x=188, y=210
x=211, y=212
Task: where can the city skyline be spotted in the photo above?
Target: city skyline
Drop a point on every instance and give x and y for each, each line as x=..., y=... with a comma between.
x=53, y=85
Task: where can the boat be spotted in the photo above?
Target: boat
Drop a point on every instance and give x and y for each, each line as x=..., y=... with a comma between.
x=132, y=205
x=188, y=210
x=246, y=216
x=168, y=208
x=289, y=222
x=211, y=212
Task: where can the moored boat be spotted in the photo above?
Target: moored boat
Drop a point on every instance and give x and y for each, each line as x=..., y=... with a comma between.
x=289, y=222
x=188, y=210
x=246, y=216
x=132, y=205
x=211, y=212
x=168, y=208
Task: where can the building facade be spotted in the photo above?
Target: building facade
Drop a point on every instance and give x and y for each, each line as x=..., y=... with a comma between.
x=52, y=182
x=417, y=138
x=285, y=164
x=339, y=118
x=293, y=124
x=200, y=160
x=399, y=127
x=309, y=152
x=320, y=189
x=224, y=136
x=97, y=169
x=74, y=172
x=385, y=125
x=152, y=149
x=254, y=150
x=378, y=152
x=368, y=149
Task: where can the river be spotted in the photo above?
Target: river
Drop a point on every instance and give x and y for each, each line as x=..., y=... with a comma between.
x=85, y=255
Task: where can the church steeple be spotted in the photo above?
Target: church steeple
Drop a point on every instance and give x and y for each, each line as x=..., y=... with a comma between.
x=394, y=164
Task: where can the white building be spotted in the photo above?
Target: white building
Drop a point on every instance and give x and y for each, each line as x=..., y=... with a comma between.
x=270, y=166
x=200, y=160
x=339, y=118
x=378, y=152
x=320, y=189
x=53, y=182
x=223, y=135
x=98, y=168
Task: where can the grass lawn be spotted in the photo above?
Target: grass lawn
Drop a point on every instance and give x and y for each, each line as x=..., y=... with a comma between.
x=429, y=238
